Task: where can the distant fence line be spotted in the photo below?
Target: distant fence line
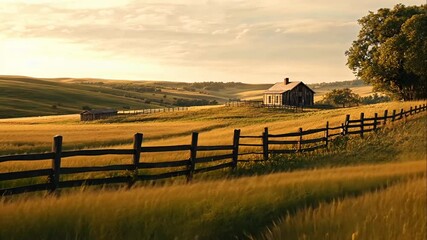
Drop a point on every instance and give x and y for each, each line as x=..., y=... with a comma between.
x=152, y=110
x=286, y=143
x=257, y=103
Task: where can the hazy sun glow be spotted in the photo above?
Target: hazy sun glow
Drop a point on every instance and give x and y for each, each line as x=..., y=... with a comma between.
x=247, y=41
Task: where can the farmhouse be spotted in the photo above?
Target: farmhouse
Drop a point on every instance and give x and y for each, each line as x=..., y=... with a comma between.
x=289, y=93
x=95, y=114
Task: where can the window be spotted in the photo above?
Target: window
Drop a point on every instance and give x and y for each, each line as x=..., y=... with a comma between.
x=277, y=99
x=269, y=99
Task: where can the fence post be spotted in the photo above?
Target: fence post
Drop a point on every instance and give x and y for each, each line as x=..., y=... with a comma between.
x=193, y=155
x=393, y=117
x=265, y=143
x=56, y=162
x=137, y=145
x=236, y=138
x=401, y=114
x=410, y=111
x=327, y=135
x=300, y=140
x=362, y=124
x=375, y=121
x=346, y=123
x=385, y=116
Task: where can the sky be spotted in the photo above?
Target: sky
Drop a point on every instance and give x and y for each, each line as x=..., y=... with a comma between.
x=182, y=40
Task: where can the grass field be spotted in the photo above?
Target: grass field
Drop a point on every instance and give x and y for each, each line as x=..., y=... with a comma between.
x=398, y=212
x=351, y=173
x=26, y=96
x=204, y=210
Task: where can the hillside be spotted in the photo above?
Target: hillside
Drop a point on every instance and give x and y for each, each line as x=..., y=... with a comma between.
x=26, y=96
x=260, y=199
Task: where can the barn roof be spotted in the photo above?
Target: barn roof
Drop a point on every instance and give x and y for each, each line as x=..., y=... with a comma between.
x=281, y=87
x=99, y=111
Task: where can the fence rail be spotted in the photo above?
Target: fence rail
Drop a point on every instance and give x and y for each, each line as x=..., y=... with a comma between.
x=283, y=143
x=152, y=110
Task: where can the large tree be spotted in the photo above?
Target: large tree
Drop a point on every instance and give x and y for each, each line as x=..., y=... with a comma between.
x=391, y=51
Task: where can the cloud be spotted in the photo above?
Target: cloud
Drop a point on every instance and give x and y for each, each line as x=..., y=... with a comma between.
x=240, y=39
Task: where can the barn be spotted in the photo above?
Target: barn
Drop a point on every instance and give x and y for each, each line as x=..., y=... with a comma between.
x=95, y=114
x=289, y=93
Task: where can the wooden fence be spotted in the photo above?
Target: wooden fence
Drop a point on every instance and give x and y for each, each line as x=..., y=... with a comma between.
x=257, y=103
x=153, y=110
x=267, y=143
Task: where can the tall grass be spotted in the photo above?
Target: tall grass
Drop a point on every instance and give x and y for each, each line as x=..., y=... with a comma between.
x=222, y=209
x=399, y=212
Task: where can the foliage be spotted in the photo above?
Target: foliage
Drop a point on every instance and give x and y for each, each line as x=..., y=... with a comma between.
x=215, y=86
x=374, y=98
x=390, y=52
x=344, y=97
x=341, y=84
x=194, y=102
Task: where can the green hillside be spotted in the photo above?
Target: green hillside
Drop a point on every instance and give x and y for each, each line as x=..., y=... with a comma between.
x=26, y=96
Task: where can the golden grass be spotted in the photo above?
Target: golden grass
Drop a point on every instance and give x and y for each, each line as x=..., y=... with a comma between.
x=399, y=212
x=204, y=210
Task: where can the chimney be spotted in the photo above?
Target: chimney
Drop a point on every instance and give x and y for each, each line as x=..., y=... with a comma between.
x=286, y=81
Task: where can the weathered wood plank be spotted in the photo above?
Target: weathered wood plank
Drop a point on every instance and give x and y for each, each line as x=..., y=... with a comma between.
x=166, y=148
x=250, y=145
x=314, y=140
x=265, y=141
x=25, y=174
x=335, y=128
x=292, y=134
x=214, y=148
x=97, y=152
x=73, y=170
x=289, y=142
x=235, y=153
x=193, y=155
x=354, y=121
x=311, y=131
x=27, y=157
x=353, y=126
x=56, y=162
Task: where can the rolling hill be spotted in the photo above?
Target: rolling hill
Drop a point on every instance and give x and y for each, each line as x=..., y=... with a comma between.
x=22, y=96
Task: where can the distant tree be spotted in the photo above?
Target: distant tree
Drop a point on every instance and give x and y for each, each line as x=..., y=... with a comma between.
x=344, y=97
x=390, y=52
x=374, y=98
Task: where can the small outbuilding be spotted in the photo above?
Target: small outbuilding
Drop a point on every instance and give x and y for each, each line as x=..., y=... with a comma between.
x=289, y=93
x=95, y=114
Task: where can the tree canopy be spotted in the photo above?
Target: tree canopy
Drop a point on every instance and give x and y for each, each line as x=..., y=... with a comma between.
x=344, y=97
x=390, y=52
